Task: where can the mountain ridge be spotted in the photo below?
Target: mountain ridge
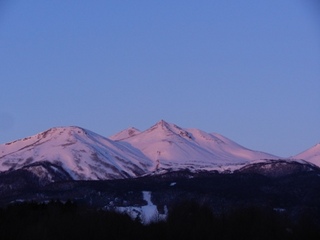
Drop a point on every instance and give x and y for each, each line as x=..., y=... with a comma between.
x=176, y=148
x=130, y=153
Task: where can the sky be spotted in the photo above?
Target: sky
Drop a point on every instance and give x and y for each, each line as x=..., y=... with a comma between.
x=249, y=70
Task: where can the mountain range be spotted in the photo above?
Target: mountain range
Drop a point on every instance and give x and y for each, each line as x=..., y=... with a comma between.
x=146, y=173
x=80, y=154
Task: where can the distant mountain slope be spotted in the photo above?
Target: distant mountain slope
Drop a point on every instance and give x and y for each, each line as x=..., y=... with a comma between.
x=311, y=155
x=83, y=154
x=173, y=148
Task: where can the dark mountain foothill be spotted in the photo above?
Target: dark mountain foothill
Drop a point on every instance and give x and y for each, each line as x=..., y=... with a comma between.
x=297, y=188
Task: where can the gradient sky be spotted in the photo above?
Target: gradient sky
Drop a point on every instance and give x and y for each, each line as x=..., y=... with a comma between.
x=249, y=70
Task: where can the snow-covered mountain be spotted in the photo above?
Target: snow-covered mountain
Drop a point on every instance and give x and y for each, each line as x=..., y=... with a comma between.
x=311, y=155
x=81, y=153
x=170, y=147
x=164, y=147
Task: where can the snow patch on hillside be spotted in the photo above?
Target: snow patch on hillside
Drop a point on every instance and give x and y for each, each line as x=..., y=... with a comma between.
x=146, y=214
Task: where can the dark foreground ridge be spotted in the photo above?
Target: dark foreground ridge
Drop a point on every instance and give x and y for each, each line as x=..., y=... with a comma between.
x=274, y=200
x=188, y=220
x=289, y=186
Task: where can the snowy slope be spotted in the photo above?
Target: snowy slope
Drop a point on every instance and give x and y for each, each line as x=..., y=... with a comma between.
x=164, y=147
x=82, y=153
x=173, y=148
x=311, y=155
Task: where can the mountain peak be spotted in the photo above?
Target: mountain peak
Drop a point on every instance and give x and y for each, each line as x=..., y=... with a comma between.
x=129, y=132
x=60, y=131
x=52, y=132
x=162, y=123
x=165, y=125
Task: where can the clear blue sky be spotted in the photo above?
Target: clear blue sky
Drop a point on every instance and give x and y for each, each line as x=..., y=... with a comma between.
x=249, y=70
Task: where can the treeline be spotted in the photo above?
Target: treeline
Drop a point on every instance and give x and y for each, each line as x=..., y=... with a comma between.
x=188, y=220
